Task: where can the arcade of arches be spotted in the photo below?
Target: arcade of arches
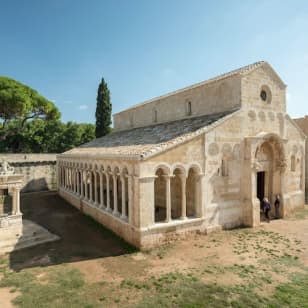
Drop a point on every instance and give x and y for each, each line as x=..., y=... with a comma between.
x=110, y=190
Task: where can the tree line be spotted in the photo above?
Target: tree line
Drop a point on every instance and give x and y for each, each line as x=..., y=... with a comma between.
x=30, y=123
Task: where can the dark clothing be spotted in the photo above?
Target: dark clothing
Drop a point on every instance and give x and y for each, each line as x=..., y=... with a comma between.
x=277, y=205
x=267, y=208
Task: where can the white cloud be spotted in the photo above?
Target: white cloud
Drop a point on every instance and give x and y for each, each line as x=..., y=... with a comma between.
x=83, y=107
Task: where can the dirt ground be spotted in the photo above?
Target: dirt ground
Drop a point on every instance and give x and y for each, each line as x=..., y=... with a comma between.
x=101, y=256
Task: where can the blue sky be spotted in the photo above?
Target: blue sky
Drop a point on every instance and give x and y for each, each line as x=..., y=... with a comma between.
x=147, y=48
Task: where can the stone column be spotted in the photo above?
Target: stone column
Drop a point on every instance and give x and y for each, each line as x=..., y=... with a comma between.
x=168, y=198
x=115, y=195
x=82, y=184
x=62, y=177
x=16, y=201
x=183, y=207
x=91, y=187
x=68, y=179
x=78, y=182
x=101, y=190
x=86, y=194
x=123, y=215
x=73, y=179
x=108, y=191
x=130, y=199
x=95, y=188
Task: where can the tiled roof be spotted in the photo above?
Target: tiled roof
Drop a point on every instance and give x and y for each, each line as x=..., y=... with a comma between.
x=143, y=142
x=240, y=71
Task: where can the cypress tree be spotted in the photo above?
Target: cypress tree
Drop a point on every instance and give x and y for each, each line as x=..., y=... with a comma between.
x=103, y=110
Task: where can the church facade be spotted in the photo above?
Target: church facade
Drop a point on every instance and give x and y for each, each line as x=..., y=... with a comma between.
x=197, y=159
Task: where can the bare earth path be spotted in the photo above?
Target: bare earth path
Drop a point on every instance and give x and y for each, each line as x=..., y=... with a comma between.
x=114, y=275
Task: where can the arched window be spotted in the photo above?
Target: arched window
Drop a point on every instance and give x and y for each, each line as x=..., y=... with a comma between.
x=154, y=115
x=188, y=108
x=293, y=163
x=224, y=167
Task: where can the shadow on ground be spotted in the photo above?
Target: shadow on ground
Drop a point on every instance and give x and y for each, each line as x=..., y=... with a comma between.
x=81, y=238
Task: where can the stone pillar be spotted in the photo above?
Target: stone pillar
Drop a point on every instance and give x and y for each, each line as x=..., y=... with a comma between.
x=183, y=207
x=168, y=198
x=130, y=199
x=82, y=183
x=123, y=179
x=62, y=177
x=95, y=188
x=101, y=190
x=73, y=179
x=16, y=201
x=146, y=202
x=91, y=187
x=108, y=191
x=78, y=182
x=198, y=195
x=69, y=179
x=115, y=195
x=86, y=194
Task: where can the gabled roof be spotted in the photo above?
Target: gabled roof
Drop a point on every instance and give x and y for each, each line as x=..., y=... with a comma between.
x=242, y=71
x=144, y=142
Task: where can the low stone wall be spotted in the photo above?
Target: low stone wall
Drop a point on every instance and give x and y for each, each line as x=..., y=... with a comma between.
x=39, y=170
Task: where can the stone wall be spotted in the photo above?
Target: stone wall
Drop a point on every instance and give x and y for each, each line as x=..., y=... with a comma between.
x=197, y=100
x=39, y=170
x=303, y=124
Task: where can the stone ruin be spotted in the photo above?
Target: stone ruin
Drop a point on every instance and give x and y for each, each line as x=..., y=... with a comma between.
x=10, y=184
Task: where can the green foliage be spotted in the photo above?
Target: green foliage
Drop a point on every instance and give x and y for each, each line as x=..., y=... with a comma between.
x=48, y=137
x=103, y=110
x=20, y=103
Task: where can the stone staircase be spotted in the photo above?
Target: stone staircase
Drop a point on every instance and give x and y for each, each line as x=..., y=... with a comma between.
x=28, y=235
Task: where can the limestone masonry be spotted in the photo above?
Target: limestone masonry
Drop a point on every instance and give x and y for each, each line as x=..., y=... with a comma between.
x=303, y=124
x=39, y=170
x=197, y=159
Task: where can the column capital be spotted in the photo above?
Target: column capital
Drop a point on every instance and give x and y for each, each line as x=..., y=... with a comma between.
x=167, y=176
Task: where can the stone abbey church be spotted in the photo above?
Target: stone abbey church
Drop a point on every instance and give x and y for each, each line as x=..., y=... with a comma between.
x=197, y=159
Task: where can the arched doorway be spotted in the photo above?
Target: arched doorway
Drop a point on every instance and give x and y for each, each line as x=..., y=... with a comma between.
x=268, y=168
x=265, y=160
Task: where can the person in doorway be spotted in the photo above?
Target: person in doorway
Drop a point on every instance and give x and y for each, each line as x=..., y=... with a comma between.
x=267, y=208
x=277, y=206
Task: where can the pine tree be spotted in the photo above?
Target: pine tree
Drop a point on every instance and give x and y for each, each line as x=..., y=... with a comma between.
x=103, y=110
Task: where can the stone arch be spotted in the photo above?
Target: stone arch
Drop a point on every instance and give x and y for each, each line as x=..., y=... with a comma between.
x=165, y=167
x=192, y=191
x=180, y=167
x=268, y=170
x=176, y=186
x=196, y=167
x=160, y=200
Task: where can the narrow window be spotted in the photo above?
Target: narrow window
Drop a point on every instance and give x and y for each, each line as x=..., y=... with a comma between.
x=189, y=111
x=293, y=163
x=154, y=115
x=224, y=167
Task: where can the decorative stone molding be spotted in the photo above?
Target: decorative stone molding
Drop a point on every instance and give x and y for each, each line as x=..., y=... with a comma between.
x=5, y=168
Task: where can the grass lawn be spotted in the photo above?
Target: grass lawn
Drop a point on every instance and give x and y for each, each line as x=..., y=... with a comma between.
x=263, y=267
